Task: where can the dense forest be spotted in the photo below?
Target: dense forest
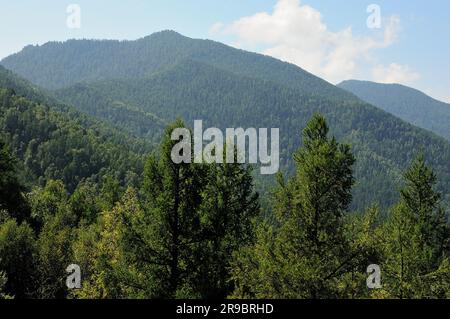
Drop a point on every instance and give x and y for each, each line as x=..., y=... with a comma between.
x=86, y=178
x=56, y=145
x=406, y=103
x=141, y=86
x=195, y=231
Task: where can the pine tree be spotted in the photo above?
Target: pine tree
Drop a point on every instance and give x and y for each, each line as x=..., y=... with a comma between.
x=307, y=254
x=178, y=240
x=416, y=245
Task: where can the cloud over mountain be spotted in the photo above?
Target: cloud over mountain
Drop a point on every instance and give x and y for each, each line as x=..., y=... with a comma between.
x=297, y=33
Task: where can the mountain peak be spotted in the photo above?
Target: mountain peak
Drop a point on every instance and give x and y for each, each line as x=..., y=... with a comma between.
x=67, y=63
x=165, y=34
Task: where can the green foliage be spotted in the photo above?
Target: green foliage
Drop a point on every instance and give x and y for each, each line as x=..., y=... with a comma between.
x=196, y=230
x=123, y=115
x=101, y=252
x=11, y=198
x=178, y=239
x=194, y=90
x=54, y=255
x=52, y=141
x=228, y=211
x=416, y=240
x=307, y=255
x=17, y=258
x=171, y=225
x=84, y=202
x=167, y=76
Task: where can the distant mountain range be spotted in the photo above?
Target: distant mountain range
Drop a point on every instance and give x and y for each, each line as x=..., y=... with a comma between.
x=407, y=103
x=140, y=86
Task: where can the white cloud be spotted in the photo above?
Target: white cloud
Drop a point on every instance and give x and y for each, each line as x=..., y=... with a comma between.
x=394, y=73
x=216, y=28
x=296, y=33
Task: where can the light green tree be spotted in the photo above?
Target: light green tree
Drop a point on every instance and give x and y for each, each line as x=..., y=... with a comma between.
x=102, y=253
x=18, y=259
x=416, y=242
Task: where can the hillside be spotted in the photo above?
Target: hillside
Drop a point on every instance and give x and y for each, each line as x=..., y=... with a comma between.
x=53, y=141
x=61, y=64
x=166, y=75
x=407, y=103
x=113, y=110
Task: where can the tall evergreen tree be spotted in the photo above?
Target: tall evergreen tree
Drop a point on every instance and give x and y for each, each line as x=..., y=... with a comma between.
x=307, y=255
x=228, y=214
x=163, y=239
x=416, y=246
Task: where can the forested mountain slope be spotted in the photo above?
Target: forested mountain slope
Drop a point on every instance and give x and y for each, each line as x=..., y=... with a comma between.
x=383, y=144
x=407, y=103
x=164, y=76
x=57, y=65
x=57, y=142
x=108, y=107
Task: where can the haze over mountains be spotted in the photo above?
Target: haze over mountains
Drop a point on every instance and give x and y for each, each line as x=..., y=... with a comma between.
x=407, y=103
x=140, y=86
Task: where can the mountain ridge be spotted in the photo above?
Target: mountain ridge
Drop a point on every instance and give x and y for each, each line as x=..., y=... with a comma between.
x=169, y=47
x=409, y=104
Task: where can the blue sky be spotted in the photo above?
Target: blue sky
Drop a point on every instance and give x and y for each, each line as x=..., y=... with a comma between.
x=329, y=38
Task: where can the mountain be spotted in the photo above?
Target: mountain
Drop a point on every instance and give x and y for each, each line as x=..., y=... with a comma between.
x=54, y=141
x=61, y=64
x=407, y=103
x=166, y=76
